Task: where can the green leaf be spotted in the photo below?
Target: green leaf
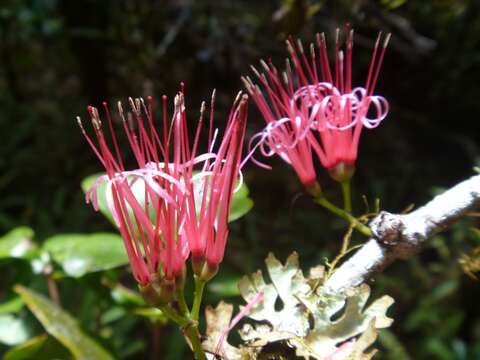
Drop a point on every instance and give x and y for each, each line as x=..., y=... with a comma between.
x=241, y=203
x=224, y=286
x=13, y=330
x=62, y=326
x=151, y=313
x=41, y=263
x=111, y=315
x=239, y=206
x=42, y=347
x=101, y=195
x=26, y=350
x=17, y=243
x=175, y=347
x=124, y=296
x=394, y=348
x=13, y=305
x=79, y=254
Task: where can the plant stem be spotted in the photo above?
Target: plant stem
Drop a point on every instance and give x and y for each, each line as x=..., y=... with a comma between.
x=189, y=327
x=347, y=199
x=343, y=251
x=181, y=302
x=197, y=300
x=172, y=315
x=365, y=230
x=53, y=289
x=192, y=333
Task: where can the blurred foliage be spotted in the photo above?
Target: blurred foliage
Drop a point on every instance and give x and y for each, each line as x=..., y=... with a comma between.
x=58, y=56
x=62, y=326
x=471, y=262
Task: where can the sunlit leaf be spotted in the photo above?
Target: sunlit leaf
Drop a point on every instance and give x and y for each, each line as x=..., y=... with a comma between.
x=125, y=296
x=17, y=243
x=41, y=263
x=224, y=285
x=79, y=254
x=62, y=326
x=101, y=194
x=151, y=313
x=13, y=330
x=241, y=203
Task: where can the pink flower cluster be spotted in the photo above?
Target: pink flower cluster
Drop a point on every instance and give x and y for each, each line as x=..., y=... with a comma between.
x=312, y=108
x=176, y=202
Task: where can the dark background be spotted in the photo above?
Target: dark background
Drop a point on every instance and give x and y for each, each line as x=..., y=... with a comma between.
x=58, y=56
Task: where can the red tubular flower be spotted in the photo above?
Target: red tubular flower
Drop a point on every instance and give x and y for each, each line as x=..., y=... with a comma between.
x=286, y=132
x=211, y=191
x=317, y=106
x=154, y=206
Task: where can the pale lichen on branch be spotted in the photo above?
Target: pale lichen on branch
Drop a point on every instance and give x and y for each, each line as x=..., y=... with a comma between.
x=401, y=236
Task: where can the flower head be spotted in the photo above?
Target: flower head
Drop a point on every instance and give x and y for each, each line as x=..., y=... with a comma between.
x=312, y=106
x=155, y=206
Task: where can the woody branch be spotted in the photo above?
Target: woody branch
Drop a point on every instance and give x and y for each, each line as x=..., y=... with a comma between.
x=402, y=236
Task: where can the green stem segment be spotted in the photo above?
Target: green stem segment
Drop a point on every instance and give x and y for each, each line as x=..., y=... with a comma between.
x=197, y=300
x=190, y=330
x=182, y=304
x=172, y=315
x=365, y=230
x=192, y=333
x=347, y=199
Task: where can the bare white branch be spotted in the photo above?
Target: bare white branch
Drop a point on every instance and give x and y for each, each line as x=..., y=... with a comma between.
x=402, y=236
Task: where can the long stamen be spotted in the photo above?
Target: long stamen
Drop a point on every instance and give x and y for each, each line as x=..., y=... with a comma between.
x=337, y=52
x=112, y=133
x=379, y=65
x=90, y=142
x=348, y=65
x=372, y=62
x=210, y=124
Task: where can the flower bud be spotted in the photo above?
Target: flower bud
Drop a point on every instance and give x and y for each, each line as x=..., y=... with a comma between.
x=197, y=264
x=342, y=172
x=208, y=271
x=314, y=189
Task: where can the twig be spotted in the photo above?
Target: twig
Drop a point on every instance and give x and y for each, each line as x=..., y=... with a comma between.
x=53, y=289
x=400, y=236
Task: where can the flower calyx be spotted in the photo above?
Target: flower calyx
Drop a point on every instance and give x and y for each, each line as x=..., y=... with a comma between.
x=159, y=291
